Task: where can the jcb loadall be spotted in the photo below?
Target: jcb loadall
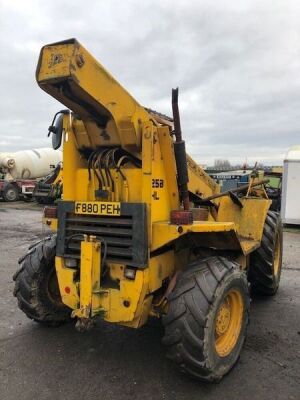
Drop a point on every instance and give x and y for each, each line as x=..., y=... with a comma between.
x=142, y=230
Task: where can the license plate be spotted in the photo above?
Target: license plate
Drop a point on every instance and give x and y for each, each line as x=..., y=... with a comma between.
x=98, y=208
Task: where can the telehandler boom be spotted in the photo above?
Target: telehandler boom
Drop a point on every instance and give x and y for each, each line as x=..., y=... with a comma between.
x=142, y=230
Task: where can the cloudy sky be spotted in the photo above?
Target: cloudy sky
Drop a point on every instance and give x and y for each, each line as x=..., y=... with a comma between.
x=237, y=64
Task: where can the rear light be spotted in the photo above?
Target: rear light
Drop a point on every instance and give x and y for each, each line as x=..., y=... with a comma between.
x=181, y=217
x=50, y=212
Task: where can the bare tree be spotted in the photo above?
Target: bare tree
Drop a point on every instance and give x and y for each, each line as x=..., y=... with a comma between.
x=222, y=164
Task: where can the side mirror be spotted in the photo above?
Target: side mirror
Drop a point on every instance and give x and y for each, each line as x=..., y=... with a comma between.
x=56, y=129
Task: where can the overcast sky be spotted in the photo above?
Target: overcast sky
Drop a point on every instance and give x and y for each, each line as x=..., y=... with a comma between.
x=237, y=64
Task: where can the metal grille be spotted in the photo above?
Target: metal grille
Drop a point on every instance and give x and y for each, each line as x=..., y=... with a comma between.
x=115, y=231
x=125, y=236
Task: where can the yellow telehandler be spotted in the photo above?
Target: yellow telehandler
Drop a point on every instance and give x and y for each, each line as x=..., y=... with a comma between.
x=142, y=231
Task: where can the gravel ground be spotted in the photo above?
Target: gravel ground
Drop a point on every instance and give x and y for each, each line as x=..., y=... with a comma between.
x=113, y=362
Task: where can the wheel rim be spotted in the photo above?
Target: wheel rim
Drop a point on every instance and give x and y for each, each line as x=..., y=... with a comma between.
x=277, y=251
x=11, y=195
x=228, y=322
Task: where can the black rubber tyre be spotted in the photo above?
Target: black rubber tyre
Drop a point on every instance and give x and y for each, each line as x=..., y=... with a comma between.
x=36, y=286
x=10, y=193
x=190, y=322
x=266, y=261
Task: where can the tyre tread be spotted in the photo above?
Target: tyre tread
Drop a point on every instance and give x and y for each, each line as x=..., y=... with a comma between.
x=261, y=274
x=184, y=330
x=31, y=300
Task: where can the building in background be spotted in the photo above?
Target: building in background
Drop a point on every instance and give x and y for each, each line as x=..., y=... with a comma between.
x=290, y=208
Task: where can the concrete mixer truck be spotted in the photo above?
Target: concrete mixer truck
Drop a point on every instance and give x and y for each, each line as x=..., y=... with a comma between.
x=19, y=171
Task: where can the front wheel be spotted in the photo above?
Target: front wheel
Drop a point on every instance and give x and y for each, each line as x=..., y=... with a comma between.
x=207, y=318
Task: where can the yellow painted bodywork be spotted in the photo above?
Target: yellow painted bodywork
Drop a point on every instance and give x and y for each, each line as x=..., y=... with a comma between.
x=90, y=272
x=72, y=62
x=71, y=75
x=52, y=223
x=66, y=279
x=248, y=221
x=163, y=231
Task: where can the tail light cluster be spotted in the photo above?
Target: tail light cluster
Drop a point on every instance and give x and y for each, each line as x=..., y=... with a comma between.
x=50, y=212
x=181, y=217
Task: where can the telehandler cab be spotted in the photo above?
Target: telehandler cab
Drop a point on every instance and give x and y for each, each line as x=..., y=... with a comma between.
x=142, y=230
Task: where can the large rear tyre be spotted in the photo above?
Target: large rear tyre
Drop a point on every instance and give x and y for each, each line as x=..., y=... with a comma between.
x=207, y=318
x=36, y=286
x=266, y=261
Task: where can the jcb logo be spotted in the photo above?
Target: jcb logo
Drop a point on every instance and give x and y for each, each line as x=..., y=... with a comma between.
x=98, y=208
